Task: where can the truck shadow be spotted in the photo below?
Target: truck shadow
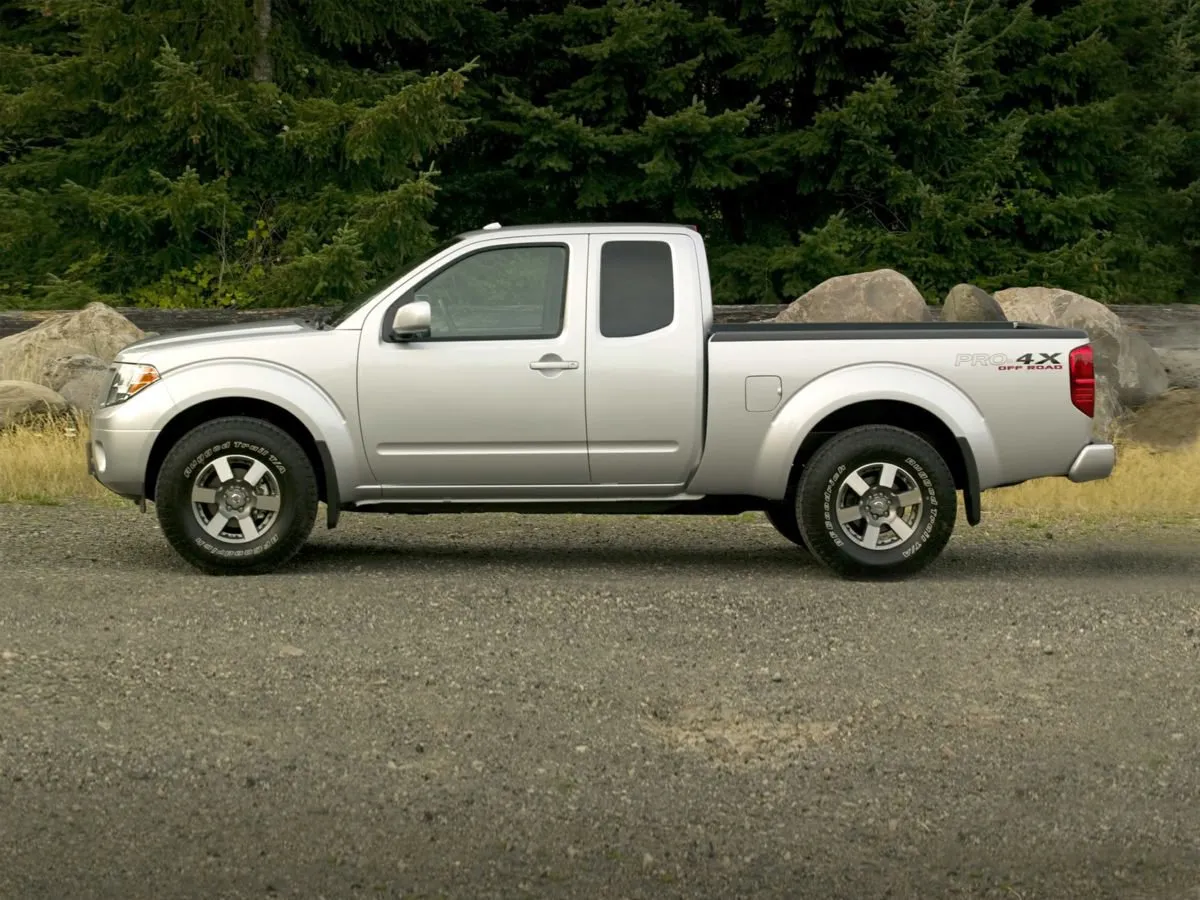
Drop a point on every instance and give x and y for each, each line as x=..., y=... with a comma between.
x=960, y=561
x=325, y=556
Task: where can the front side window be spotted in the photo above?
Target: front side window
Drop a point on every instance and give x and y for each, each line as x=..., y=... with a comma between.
x=506, y=292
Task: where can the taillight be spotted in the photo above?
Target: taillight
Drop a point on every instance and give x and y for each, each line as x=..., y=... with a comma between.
x=1083, y=380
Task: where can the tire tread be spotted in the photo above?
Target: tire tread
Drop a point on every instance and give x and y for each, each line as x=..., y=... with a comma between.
x=167, y=497
x=883, y=439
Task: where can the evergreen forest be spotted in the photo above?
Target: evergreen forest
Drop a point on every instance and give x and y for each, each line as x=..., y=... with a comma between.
x=184, y=153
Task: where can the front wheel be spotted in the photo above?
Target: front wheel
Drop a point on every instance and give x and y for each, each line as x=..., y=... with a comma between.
x=236, y=496
x=876, y=501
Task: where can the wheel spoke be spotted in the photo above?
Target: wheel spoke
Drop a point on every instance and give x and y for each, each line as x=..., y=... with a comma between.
x=903, y=530
x=249, y=529
x=215, y=524
x=267, y=502
x=848, y=514
x=909, y=498
x=221, y=465
x=204, y=495
x=257, y=471
x=887, y=475
x=856, y=484
x=871, y=537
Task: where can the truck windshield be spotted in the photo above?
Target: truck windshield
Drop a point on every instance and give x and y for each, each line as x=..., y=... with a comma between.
x=340, y=314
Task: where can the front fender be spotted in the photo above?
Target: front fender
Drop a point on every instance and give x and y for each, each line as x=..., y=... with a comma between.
x=268, y=382
x=841, y=388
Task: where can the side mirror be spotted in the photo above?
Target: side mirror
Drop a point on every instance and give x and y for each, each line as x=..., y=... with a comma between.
x=411, y=322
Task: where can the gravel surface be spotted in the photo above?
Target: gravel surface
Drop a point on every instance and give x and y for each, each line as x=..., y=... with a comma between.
x=507, y=707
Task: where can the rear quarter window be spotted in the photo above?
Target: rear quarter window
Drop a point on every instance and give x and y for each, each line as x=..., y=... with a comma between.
x=637, y=288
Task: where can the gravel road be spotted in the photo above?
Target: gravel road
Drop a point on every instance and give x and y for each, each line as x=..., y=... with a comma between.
x=543, y=707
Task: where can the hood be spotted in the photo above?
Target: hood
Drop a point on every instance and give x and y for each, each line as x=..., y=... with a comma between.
x=215, y=334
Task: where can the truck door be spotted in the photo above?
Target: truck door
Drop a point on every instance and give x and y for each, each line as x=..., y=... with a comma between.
x=645, y=346
x=495, y=396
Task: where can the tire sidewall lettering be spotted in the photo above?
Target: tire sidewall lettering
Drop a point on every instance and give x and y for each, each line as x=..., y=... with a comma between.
x=206, y=455
x=238, y=552
x=831, y=528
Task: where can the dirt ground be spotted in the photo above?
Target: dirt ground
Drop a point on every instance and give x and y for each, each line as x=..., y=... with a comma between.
x=596, y=707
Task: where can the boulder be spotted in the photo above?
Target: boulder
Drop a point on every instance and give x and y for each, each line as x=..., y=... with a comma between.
x=880, y=296
x=64, y=369
x=1142, y=375
x=97, y=331
x=22, y=402
x=1169, y=422
x=1183, y=367
x=79, y=379
x=967, y=303
x=1129, y=372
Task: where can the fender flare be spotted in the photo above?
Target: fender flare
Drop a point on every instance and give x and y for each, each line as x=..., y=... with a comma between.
x=867, y=382
x=280, y=386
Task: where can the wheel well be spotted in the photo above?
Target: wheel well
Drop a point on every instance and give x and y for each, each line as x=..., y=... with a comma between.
x=232, y=406
x=886, y=412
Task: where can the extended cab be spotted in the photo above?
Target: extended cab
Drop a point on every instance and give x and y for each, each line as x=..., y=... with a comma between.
x=577, y=368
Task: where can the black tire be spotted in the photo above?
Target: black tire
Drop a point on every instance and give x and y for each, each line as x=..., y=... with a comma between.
x=197, y=461
x=783, y=517
x=906, y=544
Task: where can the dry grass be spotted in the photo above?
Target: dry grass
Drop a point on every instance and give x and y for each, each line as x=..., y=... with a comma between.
x=1147, y=484
x=46, y=463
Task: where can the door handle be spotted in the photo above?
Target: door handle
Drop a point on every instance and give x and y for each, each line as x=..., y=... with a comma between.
x=554, y=364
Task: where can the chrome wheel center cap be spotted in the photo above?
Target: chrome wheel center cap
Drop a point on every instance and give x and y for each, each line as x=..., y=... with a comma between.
x=236, y=498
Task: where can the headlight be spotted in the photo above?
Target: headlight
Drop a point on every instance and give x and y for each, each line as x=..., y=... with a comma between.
x=128, y=379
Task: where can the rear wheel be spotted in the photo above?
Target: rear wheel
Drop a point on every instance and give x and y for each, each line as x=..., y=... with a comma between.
x=783, y=517
x=876, y=501
x=236, y=496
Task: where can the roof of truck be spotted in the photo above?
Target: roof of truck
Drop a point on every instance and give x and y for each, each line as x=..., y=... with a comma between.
x=558, y=227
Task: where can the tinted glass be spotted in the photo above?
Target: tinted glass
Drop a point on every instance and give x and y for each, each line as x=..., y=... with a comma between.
x=637, y=288
x=509, y=292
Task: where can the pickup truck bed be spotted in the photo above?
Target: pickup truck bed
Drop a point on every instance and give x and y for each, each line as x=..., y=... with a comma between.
x=576, y=368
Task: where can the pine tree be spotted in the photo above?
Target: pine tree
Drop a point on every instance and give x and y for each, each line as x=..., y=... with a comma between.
x=995, y=141
x=215, y=151
x=290, y=151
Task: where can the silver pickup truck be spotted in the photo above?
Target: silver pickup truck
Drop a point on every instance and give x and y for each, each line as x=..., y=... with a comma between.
x=577, y=368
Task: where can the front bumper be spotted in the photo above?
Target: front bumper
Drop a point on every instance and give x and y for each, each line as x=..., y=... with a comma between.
x=117, y=459
x=121, y=439
x=1095, y=461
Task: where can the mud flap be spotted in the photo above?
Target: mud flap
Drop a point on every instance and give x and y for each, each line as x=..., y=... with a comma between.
x=333, y=506
x=971, y=493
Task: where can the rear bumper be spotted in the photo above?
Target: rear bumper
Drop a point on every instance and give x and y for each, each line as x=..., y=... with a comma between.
x=1095, y=461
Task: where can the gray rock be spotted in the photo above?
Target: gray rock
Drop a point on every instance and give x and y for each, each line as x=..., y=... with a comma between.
x=97, y=330
x=967, y=303
x=1170, y=422
x=23, y=402
x=1128, y=371
x=63, y=369
x=1183, y=367
x=79, y=379
x=1142, y=375
x=880, y=296
x=83, y=392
